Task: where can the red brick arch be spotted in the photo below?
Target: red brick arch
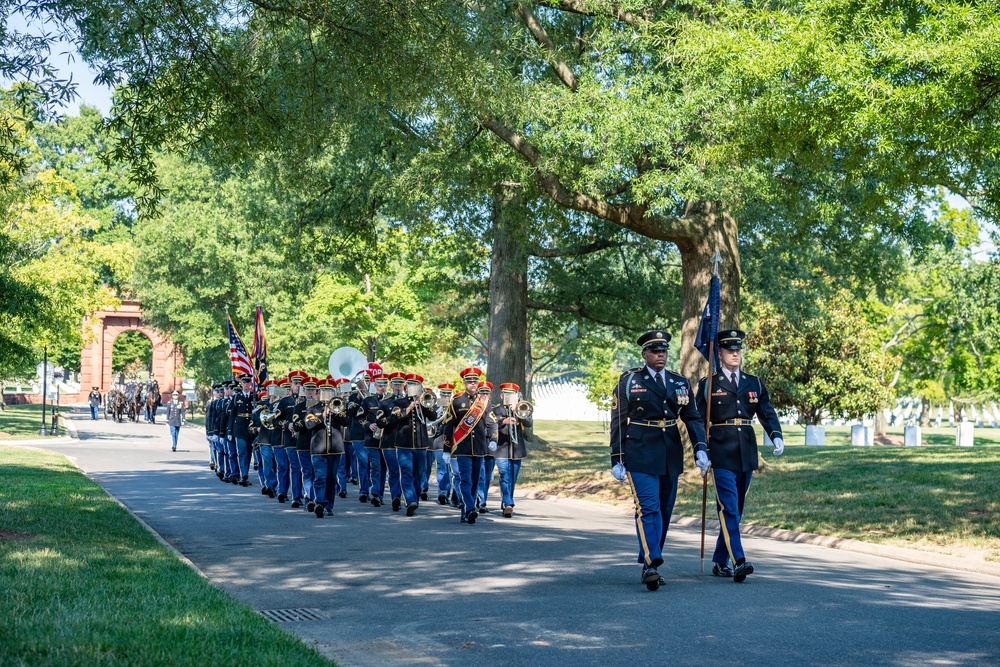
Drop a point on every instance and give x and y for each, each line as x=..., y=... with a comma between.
x=99, y=333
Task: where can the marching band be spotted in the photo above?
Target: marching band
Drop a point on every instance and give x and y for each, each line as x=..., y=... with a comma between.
x=312, y=438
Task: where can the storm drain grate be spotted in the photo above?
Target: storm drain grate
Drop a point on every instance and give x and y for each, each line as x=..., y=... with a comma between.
x=292, y=615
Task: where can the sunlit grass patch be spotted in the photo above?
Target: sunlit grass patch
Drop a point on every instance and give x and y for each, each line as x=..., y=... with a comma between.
x=90, y=586
x=936, y=496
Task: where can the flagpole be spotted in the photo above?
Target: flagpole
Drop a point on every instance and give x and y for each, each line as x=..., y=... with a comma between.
x=708, y=420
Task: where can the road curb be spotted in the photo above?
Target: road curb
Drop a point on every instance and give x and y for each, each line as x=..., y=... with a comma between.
x=70, y=427
x=37, y=441
x=846, y=544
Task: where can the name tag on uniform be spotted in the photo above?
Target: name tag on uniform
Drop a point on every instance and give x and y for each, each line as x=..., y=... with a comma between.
x=719, y=392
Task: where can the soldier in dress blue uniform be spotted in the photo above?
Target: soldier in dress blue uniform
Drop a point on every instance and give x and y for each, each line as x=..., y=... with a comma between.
x=214, y=463
x=228, y=453
x=324, y=429
x=266, y=470
x=646, y=445
x=240, y=412
x=281, y=439
x=372, y=405
x=511, y=447
x=470, y=421
x=356, y=433
x=732, y=447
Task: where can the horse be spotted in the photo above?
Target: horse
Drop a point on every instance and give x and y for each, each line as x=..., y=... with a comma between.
x=152, y=399
x=114, y=404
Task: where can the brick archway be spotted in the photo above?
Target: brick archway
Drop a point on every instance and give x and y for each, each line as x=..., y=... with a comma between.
x=99, y=333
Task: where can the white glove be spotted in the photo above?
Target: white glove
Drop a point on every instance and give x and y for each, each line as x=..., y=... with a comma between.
x=229, y=438
x=492, y=446
x=701, y=460
x=779, y=446
x=618, y=472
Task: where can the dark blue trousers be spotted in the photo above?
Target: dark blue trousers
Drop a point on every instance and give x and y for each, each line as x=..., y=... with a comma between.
x=654, y=497
x=730, y=492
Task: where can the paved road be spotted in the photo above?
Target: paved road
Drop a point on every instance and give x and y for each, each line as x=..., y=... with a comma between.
x=555, y=585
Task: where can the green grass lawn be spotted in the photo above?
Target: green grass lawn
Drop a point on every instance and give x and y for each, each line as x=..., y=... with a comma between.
x=84, y=584
x=939, y=496
x=23, y=422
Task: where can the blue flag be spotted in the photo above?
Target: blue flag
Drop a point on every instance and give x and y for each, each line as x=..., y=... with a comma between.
x=709, y=327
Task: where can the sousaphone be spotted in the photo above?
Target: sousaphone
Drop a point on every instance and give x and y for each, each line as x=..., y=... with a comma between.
x=346, y=362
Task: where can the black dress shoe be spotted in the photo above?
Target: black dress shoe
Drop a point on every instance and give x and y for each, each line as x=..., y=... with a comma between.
x=376, y=501
x=296, y=504
x=395, y=504
x=423, y=496
x=245, y=482
x=282, y=497
x=411, y=509
x=311, y=506
x=363, y=498
x=263, y=490
x=720, y=570
x=472, y=516
x=211, y=466
x=483, y=509
x=442, y=499
x=270, y=493
x=463, y=519
x=651, y=578
x=342, y=494
x=740, y=572
x=319, y=511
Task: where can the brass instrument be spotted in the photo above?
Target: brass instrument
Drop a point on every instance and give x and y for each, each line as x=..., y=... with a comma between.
x=337, y=406
x=428, y=399
x=523, y=409
x=267, y=418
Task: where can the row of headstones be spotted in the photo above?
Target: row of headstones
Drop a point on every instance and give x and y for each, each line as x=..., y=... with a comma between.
x=864, y=436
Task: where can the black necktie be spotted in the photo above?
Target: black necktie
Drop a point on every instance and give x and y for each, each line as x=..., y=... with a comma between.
x=659, y=380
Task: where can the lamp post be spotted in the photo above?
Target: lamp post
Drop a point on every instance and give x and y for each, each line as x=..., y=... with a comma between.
x=45, y=376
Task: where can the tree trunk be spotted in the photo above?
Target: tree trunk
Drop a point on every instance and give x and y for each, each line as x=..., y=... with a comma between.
x=925, y=412
x=716, y=229
x=508, y=337
x=879, y=423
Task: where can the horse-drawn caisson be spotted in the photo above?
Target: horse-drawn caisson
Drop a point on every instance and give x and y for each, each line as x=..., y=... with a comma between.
x=132, y=399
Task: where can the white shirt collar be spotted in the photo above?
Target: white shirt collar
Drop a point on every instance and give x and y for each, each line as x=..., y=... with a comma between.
x=662, y=374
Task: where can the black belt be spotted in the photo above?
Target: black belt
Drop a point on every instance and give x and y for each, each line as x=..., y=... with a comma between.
x=660, y=423
x=734, y=422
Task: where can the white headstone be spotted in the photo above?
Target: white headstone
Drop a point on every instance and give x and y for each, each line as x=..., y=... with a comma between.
x=911, y=436
x=870, y=436
x=964, y=433
x=859, y=435
x=815, y=436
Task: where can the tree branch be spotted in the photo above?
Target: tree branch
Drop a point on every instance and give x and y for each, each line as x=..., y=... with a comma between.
x=577, y=308
x=578, y=7
x=558, y=65
x=636, y=217
x=572, y=251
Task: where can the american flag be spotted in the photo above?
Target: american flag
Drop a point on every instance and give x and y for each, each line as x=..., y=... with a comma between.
x=238, y=358
x=259, y=355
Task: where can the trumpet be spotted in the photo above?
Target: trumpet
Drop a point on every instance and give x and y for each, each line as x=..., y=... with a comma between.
x=428, y=399
x=523, y=409
x=337, y=406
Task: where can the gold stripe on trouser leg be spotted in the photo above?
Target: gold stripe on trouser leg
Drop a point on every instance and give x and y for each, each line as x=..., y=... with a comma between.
x=722, y=518
x=638, y=520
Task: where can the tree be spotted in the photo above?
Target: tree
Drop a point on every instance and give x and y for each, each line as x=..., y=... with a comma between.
x=824, y=359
